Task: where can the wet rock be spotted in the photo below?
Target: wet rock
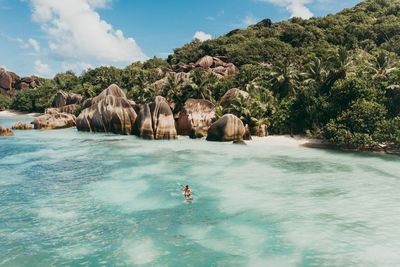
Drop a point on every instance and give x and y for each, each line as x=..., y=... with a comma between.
x=54, y=121
x=195, y=118
x=21, y=126
x=5, y=131
x=227, y=128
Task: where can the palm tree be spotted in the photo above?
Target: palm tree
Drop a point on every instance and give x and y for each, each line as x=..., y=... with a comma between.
x=381, y=66
x=87, y=90
x=315, y=72
x=285, y=79
x=200, y=83
x=342, y=63
x=172, y=88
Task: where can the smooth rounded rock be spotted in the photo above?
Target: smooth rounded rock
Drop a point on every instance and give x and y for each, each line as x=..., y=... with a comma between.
x=54, y=121
x=227, y=128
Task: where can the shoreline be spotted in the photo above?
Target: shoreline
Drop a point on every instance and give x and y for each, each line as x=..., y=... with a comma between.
x=14, y=113
x=287, y=140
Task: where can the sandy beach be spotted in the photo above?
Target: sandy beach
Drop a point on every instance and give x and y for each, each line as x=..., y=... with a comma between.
x=285, y=140
x=14, y=113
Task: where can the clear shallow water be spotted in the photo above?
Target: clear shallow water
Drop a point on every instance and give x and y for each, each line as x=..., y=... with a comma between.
x=71, y=198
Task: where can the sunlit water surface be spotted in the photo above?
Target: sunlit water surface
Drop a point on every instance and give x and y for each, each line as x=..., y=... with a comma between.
x=71, y=198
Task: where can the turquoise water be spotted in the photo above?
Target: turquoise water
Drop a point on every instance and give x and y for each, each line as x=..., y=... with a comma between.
x=71, y=198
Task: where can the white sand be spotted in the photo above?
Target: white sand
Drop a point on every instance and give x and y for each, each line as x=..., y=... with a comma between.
x=283, y=140
x=14, y=113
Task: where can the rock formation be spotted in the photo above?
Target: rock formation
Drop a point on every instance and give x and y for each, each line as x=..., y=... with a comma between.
x=247, y=134
x=219, y=66
x=54, y=121
x=195, y=118
x=156, y=121
x=226, y=100
x=11, y=83
x=5, y=131
x=64, y=103
x=260, y=131
x=113, y=90
x=144, y=123
x=70, y=109
x=227, y=128
x=21, y=126
x=62, y=99
x=110, y=112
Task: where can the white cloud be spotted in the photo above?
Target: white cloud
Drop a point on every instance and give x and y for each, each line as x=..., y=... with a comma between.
x=249, y=20
x=42, y=69
x=297, y=8
x=76, y=32
x=202, y=36
x=34, y=44
x=76, y=67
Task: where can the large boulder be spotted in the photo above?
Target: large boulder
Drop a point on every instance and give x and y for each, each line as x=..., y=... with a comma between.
x=205, y=62
x=144, y=123
x=59, y=100
x=54, y=121
x=156, y=121
x=227, y=128
x=21, y=85
x=5, y=131
x=226, y=100
x=196, y=117
x=112, y=90
x=21, y=126
x=5, y=79
x=110, y=112
x=62, y=99
x=74, y=99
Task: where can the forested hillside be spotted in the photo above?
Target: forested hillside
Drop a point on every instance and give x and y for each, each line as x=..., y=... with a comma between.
x=335, y=77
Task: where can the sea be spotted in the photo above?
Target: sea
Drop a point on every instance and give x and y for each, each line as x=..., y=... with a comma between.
x=70, y=198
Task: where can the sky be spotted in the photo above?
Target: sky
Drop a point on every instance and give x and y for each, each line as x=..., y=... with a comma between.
x=46, y=37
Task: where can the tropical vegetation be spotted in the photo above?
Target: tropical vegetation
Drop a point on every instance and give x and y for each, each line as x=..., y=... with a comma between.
x=335, y=77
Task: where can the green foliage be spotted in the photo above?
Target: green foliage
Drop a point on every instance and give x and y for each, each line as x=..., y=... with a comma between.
x=5, y=102
x=357, y=126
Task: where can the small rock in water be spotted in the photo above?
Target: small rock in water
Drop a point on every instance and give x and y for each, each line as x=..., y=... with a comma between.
x=5, y=131
x=239, y=142
x=21, y=126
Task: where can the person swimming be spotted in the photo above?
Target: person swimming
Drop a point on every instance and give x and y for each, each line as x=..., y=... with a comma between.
x=187, y=192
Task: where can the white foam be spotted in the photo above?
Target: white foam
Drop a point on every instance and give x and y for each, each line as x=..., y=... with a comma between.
x=140, y=252
x=51, y=213
x=129, y=195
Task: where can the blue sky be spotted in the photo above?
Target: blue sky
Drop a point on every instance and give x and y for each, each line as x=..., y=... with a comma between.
x=45, y=37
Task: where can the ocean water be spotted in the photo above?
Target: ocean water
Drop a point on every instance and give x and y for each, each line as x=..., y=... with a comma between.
x=69, y=198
